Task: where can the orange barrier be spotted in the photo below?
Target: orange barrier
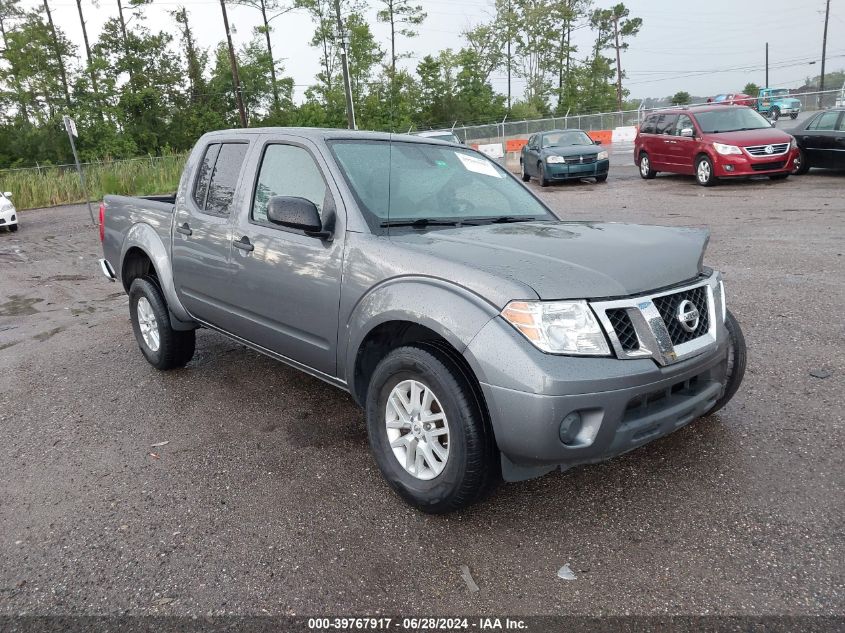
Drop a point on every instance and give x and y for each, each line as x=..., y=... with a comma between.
x=603, y=136
x=515, y=145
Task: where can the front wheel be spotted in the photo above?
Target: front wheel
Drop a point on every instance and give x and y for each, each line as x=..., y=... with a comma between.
x=800, y=166
x=544, y=182
x=645, y=167
x=427, y=430
x=704, y=172
x=736, y=362
x=162, y=346
x=13, y=227
x=602, y=178
x=525, y=176
x=774, y=114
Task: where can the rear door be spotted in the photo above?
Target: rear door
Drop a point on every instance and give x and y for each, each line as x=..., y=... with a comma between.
x=285, y=289
x=838, y=155
x=681, y=150
x=202, y=238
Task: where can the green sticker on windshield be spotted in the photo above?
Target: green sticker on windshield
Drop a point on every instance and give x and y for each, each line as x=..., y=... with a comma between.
x=442, y=163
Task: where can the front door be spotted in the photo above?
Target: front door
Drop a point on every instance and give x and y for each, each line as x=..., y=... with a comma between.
x=662, y=142
x=202, y=237
x=820, y=139
x=285, y=288
x=531, y=156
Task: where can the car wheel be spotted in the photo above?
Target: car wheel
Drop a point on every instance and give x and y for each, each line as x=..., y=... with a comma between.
x=704, y=172
x=544, y=182
x=427, y=431
x=779, y=176
x=800, y=165
x=793, y=116
x=602, y=178
x=525, y=176
x=645, y=167
x=13, y=227
x=162, y=346
x=774, y=114
x=736, y=362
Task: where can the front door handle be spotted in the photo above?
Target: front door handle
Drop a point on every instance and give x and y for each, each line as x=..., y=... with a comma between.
x=184, y=229
x=244, y=244
x=672, y=142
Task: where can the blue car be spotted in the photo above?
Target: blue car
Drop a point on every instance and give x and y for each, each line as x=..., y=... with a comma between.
x=563, y=155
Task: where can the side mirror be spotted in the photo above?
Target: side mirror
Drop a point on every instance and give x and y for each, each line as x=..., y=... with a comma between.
x=688, y=132
x=597, y=142
x=7, y=194
x=296, y=213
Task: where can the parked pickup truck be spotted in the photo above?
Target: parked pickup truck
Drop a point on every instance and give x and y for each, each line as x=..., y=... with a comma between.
x=483, y=336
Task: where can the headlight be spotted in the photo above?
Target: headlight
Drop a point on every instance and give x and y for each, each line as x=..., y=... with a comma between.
x=722, y=300
x=793, y=143
x=726, y=150
x=558, y=327
x=555, y=159
x=602, y=155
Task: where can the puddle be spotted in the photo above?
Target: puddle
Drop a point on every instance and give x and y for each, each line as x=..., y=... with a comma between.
x=18, y=305
x=48, y=334
x=85, y=310
x=67, y=278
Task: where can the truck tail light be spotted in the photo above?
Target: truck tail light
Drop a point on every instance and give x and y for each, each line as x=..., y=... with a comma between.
x=102, y=221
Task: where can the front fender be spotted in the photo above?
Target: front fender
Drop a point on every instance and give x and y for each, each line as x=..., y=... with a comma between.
x=145, y=237
x=451, y=311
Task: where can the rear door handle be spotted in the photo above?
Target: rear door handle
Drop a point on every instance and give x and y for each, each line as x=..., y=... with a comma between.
x=184, y=229
x=244, y=244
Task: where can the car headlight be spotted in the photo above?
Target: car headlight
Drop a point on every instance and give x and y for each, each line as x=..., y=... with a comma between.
x=793, y=143
x=555, y=159
x=602, y=155
x=726, y=150
x=558, y=327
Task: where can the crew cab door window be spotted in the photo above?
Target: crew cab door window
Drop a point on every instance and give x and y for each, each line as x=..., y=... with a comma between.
x=204, y=174
x=287, y=170
x=224, y=178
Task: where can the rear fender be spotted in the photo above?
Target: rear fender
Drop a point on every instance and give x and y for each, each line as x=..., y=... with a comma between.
x=144, y=237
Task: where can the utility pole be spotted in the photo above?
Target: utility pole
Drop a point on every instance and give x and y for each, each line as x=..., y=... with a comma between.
x=58, y=52
x=509, y=55
x=766, y=85
x=344, y=58
x=236, y=80
x=824, y=53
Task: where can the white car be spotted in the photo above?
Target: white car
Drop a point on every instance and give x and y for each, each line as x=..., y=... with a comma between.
x=8, y=213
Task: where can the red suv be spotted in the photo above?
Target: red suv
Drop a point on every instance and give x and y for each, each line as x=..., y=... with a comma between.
x=712, y=142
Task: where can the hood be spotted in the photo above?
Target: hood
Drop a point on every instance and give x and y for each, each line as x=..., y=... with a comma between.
x=572, y=150
x=572, y=260
x=763, y=136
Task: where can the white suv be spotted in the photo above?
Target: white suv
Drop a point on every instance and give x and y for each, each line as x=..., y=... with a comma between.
x=8, y=213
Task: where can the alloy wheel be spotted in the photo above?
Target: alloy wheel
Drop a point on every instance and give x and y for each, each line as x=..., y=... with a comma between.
x=417, y=429
x=645, y=167
x=148, y=324
x=703, y=171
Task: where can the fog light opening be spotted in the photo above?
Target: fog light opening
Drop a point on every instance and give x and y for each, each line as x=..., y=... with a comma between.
x=729, y=167
x=570, y=427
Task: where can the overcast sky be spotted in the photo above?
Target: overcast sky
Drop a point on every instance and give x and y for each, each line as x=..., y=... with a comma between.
x=701, y=47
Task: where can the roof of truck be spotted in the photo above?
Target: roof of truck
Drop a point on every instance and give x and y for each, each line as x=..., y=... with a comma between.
x=326, y=134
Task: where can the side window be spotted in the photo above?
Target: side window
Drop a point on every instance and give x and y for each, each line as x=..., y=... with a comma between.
x=841, y=126
x=287, y=170
x=204, y=174
x=825, y=123
x=666, y=123
x=224, y=178
x=532, y=142
x=649, y=126
x=683, y=122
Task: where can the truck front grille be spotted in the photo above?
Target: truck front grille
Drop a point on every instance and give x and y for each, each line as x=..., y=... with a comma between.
x=760, y=150
x=621, y=322
x=668, y=306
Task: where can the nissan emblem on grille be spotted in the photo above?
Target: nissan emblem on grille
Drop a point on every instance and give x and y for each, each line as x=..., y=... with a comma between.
x=688, y=315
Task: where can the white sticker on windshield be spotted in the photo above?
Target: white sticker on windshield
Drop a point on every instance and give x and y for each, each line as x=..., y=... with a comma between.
x=478, y=165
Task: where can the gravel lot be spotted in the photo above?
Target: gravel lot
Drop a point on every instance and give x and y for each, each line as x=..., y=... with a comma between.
x=266, y=500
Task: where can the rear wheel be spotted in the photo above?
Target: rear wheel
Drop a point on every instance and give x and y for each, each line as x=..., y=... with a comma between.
x=544, y=182
x=525, y=176
x=704, y=172
x=645, y=167
x=793, y=116
x=800, y=164
x=427, y=431
x=736, y=362
x=162, y=346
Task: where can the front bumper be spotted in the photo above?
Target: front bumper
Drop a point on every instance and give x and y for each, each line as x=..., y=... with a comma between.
x=8, y=217
x=744, y=165
x=566, y=171
x=623, y=404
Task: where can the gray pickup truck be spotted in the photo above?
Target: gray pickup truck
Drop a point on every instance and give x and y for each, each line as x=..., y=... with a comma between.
x=484, y=337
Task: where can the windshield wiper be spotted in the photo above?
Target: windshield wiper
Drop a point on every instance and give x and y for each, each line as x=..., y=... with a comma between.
x=419, y=223
x=503, y=219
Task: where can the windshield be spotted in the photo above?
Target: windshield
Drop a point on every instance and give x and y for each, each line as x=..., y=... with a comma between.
x=779, y=92
x=730, y=120
x=431, y=184
x=562, y=139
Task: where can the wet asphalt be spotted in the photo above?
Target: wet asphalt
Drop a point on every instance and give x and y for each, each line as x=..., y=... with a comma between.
x=265, y=498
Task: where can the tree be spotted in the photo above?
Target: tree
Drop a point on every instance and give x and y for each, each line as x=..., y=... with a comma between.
x=534, y=39
x=59, y=50
x=88, y=56
x=270, y=10
x=567, y=13
x=681, y=98
x=10, y=12
x=615, y=21
x=751, y=89
x=402, y=17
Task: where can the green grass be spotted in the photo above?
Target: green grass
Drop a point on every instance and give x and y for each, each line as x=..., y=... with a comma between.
x=49, y=186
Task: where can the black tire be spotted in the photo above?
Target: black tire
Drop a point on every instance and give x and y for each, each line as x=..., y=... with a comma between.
x=644, y=162
x=176, y=347
x=803, y=165
x=525, y=176
x=704, y=175
x=774, y=114
x=541, y=175
x=602, y=178
x=471, y=467
x=779, y=176
x=793, y=116
x=13, y=228
x=737, y=358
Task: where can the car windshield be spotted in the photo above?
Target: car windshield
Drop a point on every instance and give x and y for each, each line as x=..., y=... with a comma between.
x=779, y=92
x=719, y=98
x=563, y=139
x=431, y=185
x=730, y=120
